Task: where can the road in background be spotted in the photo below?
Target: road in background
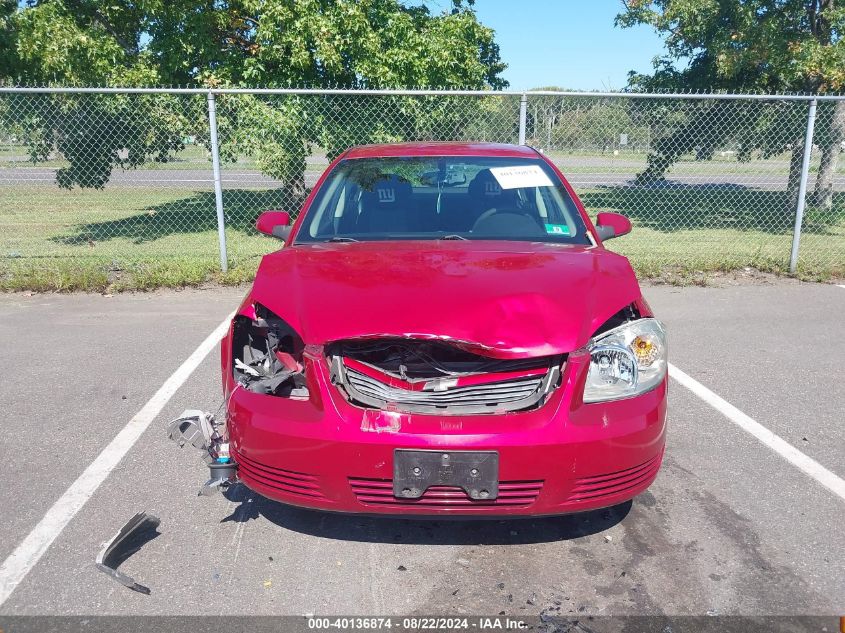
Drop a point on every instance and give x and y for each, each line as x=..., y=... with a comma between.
x=235, y=177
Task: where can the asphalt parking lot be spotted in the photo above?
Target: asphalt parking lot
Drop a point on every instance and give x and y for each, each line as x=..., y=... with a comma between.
x=730, y=527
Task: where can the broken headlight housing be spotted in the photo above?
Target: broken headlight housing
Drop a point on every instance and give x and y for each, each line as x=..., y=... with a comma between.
x=267, y=355
x=626, y=361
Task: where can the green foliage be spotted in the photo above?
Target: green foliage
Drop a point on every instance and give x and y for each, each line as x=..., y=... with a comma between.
x=78, y=42
x=272, y=131
x=95, y=133
x=742, y=46
x=699, y=128
x=319, y=43
x=8, y=35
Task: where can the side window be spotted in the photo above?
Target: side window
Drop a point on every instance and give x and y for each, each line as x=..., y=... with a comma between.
x=322, y=223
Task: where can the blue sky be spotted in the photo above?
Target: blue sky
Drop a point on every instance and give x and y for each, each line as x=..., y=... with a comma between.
x=566, y=43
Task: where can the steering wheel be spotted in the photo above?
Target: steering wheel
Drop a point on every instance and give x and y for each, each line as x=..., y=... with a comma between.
x=506, y=224
x=488, y=213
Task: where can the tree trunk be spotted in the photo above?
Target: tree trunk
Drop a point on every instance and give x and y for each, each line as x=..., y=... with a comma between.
x=823, y=193
x=795, y=164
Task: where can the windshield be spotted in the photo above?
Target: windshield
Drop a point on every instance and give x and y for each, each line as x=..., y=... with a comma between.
x=443, y=197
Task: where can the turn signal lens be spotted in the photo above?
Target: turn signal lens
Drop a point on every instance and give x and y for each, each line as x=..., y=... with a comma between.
x=645, y=349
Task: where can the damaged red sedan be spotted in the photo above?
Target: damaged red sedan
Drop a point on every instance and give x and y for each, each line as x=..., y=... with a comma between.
x=443, y=333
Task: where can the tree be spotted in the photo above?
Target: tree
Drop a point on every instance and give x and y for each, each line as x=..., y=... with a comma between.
x=320, y=43
x=272, y=43
x=7, y=32
x=831, y=137
x=748, y=46
x=543, y=115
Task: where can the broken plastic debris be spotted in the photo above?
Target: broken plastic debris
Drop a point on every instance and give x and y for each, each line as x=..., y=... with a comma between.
x=193, y=427
x=239, y=364
x=288, y=361
x=129, y=539
x=201, y=430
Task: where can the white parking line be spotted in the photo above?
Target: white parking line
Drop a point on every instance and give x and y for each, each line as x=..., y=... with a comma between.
x=27, y=554
x=780, y=446
x=842, y=285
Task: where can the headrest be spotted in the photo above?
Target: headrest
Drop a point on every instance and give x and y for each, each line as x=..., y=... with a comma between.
x=388, y=191
x=485, y=185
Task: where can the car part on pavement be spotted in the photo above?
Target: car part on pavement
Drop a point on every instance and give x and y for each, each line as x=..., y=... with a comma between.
x=193, y=427
x=201, y=430
x=129, y=539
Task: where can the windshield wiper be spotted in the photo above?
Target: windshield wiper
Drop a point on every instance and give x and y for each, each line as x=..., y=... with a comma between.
x=341, y=239
x=452, y=237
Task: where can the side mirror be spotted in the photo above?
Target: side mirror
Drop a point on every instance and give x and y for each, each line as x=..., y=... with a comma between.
x=610, y=225
x=275, y=223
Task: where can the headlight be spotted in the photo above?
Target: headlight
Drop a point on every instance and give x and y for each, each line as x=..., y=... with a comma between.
x=626, y=361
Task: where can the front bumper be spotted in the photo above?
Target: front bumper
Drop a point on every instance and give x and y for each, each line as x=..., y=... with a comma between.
x=562, y=457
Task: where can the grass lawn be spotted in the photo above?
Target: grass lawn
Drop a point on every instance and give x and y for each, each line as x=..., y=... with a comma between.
x=125, y=238
x=142, y=238
x=692, y=228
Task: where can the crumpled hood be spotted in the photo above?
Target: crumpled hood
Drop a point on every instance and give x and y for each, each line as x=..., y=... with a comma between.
x=511, y=299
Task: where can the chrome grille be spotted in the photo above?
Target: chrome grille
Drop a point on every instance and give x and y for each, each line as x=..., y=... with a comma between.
x=512, y=394
x=495, y=393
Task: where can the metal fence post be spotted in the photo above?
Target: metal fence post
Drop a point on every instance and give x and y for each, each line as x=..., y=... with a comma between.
x=218, y=188
x=523, y=117
x=802, y=187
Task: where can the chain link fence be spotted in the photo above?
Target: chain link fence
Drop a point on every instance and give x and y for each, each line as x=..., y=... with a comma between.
x=117, y=187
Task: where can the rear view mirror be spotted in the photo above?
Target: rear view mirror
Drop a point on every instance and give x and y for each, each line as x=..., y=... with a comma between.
x=455, y=175
x=610, y=225
x=275, y=223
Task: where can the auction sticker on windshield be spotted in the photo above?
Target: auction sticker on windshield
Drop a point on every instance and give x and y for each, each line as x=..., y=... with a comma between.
x=522, y=176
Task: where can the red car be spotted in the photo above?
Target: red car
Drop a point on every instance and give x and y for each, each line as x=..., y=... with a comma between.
x=443, y=333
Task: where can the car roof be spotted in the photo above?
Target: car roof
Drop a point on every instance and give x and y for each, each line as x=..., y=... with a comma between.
x=431, y=148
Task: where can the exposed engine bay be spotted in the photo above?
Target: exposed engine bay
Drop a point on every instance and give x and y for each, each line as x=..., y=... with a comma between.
x=437, y=377
x=265, y=352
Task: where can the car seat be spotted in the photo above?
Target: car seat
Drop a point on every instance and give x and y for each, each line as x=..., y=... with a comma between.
x=385, y=209
x=459, y=212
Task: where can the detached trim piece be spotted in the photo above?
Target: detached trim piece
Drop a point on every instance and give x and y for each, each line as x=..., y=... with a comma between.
x=129, y=539
x=489, y=397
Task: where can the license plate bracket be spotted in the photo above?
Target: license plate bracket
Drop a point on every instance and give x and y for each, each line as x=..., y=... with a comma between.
x=477, y=472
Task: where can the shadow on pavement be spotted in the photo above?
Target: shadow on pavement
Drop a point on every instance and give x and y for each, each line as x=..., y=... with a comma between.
x=428, y=531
